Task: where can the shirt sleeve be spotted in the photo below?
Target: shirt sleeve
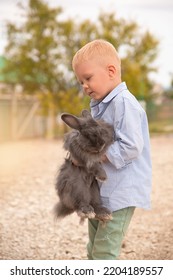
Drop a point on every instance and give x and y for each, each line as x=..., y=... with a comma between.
x=128, y=132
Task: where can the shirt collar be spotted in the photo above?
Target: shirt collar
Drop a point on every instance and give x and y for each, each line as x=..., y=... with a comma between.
x=122, y=86
x=114, y=92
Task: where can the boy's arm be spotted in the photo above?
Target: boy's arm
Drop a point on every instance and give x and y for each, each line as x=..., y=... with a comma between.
x=129, y=138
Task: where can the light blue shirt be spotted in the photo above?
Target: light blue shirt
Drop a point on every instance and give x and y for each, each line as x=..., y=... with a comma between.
x=129, y=169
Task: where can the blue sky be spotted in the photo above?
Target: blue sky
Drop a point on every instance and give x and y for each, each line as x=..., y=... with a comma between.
x=153, y=15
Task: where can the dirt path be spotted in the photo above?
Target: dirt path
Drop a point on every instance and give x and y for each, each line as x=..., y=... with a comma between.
x=27, y=196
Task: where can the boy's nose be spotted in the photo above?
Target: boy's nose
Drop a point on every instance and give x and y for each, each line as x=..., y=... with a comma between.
x=85, y=86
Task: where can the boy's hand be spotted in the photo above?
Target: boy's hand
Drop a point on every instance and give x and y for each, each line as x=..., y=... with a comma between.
x=104, y=158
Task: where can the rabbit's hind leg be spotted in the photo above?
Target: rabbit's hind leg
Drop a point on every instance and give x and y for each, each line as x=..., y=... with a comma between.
x=103, y=214
x=86, y=211
x=84, y=208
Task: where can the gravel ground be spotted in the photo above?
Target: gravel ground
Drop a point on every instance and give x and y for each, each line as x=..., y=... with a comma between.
x=27, y=196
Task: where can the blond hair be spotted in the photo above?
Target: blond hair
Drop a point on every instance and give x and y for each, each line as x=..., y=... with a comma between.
x=98, y=49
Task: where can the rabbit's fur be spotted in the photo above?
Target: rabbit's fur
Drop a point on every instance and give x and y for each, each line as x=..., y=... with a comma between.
x=77, y=185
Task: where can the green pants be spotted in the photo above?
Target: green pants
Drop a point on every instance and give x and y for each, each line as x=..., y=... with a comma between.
x=105, y=241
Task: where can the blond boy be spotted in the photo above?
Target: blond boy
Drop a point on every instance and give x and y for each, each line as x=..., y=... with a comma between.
x=127, y=161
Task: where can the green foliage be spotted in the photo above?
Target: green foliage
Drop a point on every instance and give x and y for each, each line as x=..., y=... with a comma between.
x=169, y=91
x=33, y=52
x=137, y=50
x=40, y=51
x=161, y=126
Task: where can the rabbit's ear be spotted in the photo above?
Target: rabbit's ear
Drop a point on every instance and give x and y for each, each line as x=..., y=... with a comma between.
x=86, y=114
x=72, y=121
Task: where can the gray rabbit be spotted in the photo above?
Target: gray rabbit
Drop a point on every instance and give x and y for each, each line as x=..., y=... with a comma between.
x=76, y=184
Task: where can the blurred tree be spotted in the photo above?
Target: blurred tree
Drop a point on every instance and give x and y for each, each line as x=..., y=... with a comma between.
x=32, y=49
x=41, y=49
x=169, y=90
x=138, y=50
x=36, y=55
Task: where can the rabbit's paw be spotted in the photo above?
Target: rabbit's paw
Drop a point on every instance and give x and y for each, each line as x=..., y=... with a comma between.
x=101, y=178
x=100, y=174
x=86, y=212
x=104, y=217
x=89, y=215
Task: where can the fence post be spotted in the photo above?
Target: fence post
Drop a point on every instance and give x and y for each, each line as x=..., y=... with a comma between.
x=28, y=119
x=13, y=115
x=51, y=120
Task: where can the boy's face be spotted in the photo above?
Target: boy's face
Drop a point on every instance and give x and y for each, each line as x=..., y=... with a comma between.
x=94, y=78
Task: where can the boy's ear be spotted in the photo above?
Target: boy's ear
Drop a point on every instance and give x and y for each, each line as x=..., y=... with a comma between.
x=112, y=70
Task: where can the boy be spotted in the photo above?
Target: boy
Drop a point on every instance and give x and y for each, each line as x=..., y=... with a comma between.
x=127, y=161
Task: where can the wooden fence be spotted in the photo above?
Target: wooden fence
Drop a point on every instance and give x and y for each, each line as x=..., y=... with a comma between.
x=19, y=118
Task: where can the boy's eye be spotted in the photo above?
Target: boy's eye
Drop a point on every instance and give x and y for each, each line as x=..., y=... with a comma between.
x=85, y=79
x=88, y=78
